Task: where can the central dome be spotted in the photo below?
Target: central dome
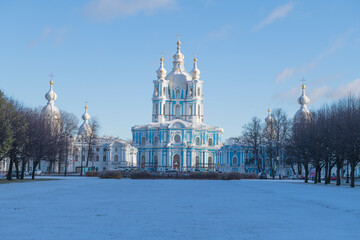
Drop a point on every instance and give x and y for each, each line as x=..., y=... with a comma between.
x=178, y=77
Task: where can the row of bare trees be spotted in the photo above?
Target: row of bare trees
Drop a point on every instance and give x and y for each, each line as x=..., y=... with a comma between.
x=328, y=140
x=27, y=137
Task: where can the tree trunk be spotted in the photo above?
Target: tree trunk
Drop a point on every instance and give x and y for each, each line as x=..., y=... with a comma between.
x=352, y=174
x=35, y=163
x=23, y=164
x=338, y=173
x=17, y=168
x=326, y=172
x=316, y=175
x=319, y=174
x=9, y=175
x=306, y=166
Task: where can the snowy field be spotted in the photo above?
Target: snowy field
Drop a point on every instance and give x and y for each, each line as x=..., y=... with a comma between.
x=90, y=208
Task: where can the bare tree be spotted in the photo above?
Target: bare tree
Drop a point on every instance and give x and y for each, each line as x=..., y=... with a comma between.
x=94, y=128
x=252, y=135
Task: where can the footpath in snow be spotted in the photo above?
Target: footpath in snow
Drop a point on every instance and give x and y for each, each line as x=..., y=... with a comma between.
x=91, y=208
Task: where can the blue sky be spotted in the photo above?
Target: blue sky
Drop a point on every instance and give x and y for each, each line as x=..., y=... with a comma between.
x=251, y=54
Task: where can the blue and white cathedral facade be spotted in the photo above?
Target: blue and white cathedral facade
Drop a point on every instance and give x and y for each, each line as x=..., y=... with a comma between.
x=177, y=138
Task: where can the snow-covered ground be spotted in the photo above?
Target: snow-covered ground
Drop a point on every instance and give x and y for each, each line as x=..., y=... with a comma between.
x=91, y=208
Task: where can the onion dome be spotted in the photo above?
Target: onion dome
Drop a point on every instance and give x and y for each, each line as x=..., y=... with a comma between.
x=269, y=119
x=178, y=57
x=50, y=111
x=178, y=77
x=161, y=72
x=85, y=128
x=195, y=72
x=303, y=113
x=51, y=95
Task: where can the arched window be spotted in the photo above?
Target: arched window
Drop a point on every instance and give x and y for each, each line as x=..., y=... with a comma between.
x=164, y=91
x=199, y=110
x=197, y=162
x=177, y=93
x=157, y=91
x=156, y=109
x=155, y=162
x=191, y=109
x=142, y=164
x=163, y=113
x=197, y=141
x=191, y=91
x=210, y=142
x=210, y=163
x=143, y=140
x=198, y=93
x=234, y=161
x=177, y=111
x=97, y=158
x=156, y=140
x=104, y=158
x=116, y=158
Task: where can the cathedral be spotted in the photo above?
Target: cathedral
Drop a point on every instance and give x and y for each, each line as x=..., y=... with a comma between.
x=104, y=153
x=177, y=138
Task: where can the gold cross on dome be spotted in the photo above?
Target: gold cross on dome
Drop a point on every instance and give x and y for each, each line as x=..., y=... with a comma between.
x=86, y=103
x=51, y=78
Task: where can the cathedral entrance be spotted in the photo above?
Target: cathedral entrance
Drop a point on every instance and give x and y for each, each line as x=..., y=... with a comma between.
x=176, y=162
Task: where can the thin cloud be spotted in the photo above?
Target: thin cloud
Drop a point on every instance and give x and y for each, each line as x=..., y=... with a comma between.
x=103, y=10
x=285, y=74
x=44, y=36
x=223, y=32
x=339, y=43
x=277, y=13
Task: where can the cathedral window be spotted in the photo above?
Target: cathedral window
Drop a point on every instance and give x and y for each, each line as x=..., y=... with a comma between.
x=157, y=91
x=197, y=141
x=164, y=109
x=197, y=162
x=177, y=93
x=210, y=163
x=199, y=110
x=156, y=140
x=116, y=149
x=116, y=158
x=143, y=141
x=155, y=162
x=177, y=111
x=198, y=91
x=97, y=149
x=164, y=91
x=210, y=143
x=234, y=161
x=177, y=138
x=191, y=109
x=191, y=91
x=104, y=158
x=142, y=163
x=83, y=157
x=156, y=109
x=97, y=158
